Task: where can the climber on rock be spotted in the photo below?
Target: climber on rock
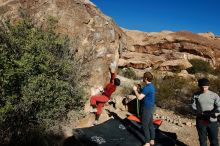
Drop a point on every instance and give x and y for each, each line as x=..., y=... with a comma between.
x=98, y=101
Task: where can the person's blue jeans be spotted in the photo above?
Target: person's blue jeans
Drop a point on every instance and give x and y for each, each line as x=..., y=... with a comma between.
x=147, y=123
x=209, y=129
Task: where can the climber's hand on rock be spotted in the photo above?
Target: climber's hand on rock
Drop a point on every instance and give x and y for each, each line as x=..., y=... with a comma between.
x=113, y=67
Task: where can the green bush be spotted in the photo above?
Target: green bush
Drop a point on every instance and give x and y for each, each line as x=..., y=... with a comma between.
x=215, y=85
x=168, y=88
x=174, y=93
x=39, y=78
x=199, y=66
x=216, y=71
x=128, y=73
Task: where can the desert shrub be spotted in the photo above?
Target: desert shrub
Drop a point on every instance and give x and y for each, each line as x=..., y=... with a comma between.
x=199, y=66
x=216, y=71
x=39, y=79
x=215, y=85
x=167, y=89
x=173, y=92
x=128, y=73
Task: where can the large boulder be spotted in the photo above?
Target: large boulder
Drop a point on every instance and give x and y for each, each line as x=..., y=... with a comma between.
x=82, y=22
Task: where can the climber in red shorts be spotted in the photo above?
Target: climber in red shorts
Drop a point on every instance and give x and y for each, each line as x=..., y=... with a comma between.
x=98, y=101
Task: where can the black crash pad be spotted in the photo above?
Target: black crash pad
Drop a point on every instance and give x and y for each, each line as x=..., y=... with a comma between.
x=118, y=132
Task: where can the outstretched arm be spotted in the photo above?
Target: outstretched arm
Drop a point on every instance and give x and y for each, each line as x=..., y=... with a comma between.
x=112, y=71
x=112, y=77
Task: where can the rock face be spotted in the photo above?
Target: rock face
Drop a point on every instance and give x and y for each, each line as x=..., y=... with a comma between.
x=82, y=21
x=168, y=50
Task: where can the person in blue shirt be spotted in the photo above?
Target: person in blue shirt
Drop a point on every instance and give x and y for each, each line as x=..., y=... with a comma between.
x=148, y=96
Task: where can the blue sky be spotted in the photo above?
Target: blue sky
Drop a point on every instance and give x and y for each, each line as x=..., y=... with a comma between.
x=156, y=15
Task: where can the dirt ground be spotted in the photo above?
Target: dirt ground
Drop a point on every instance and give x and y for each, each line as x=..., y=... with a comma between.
x=185, y=134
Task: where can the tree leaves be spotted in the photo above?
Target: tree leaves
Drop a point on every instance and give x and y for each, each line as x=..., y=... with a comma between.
x=36, y=79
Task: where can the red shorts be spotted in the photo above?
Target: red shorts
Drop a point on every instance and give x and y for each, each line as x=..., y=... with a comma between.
x=99, y=101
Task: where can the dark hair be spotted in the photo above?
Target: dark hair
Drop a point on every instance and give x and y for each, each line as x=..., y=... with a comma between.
x=117, y=81
x=203, y=82
x=148, y=76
